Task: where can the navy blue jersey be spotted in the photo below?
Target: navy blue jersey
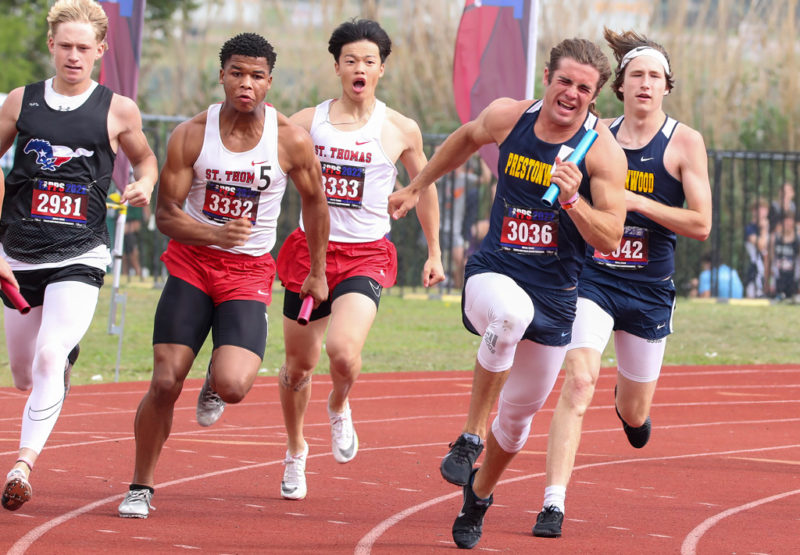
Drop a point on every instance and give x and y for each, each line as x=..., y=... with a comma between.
x=530, y=242
x=54, y=206
x=647, y=250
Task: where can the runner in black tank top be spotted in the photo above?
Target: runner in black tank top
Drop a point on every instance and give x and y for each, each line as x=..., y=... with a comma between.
x=53, y=233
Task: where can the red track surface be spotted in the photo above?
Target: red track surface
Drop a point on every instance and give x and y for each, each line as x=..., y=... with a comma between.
x=721, y=473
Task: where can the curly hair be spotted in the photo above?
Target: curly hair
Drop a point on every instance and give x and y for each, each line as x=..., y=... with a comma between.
x=251, y=45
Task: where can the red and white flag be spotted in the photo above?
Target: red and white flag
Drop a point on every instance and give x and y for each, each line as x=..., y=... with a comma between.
x=119, y=69
x=495, y=56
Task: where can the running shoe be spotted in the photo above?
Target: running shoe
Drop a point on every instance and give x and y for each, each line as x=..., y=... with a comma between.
x=468, y=526
x=638, y=437
x=136, y=504
x=344, y=440
x=209, y=403
x=17, y=490
x=293, y=485
x=548, y=523
x=457, y=465
x=71, y=358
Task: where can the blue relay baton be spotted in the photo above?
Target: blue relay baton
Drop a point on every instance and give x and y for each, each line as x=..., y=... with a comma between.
x=577, y=155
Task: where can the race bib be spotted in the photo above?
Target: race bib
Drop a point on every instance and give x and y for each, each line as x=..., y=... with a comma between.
x=57, y=201
x=230, y=202
x=528, y=231
x=344, y=185
x=632, y=253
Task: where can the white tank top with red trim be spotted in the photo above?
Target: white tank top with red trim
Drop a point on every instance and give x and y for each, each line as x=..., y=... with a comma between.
x=230, y=185
x=357, y=176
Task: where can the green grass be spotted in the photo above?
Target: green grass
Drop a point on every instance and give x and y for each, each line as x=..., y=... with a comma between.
x=425, y=335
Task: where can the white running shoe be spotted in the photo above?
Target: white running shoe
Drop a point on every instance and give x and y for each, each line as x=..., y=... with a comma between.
x=136, y=504
x=209, y=403
x=293, y=485
x=344, y=440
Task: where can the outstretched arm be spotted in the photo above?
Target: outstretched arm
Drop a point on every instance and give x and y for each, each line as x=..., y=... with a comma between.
x=413, y=159
x=301, y=163
x=492, y=125
x=132, y=141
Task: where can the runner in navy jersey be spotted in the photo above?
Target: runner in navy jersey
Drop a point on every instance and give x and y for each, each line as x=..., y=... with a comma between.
x=219, y=198
x=521, y=286
x=358, y=140
x=629, y=289
x=68, y=130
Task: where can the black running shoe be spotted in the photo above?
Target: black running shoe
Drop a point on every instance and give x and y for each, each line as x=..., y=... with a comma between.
x=468, y=526
x=548, y=523
x=638, y=437
x=71, y=358
x=457, y=464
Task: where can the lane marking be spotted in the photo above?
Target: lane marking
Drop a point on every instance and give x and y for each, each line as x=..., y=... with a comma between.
x=689, y=546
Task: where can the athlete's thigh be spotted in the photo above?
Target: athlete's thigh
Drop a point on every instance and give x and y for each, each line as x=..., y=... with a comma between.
x=241, y=323
x=592, y=326
x=67, y=312
x=21, y=333
x=183, y=316
x=303, y=344
x=352, y=316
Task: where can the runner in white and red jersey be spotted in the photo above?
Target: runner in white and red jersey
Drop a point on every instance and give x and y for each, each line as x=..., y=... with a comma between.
x=358, y=141
x=219, y=200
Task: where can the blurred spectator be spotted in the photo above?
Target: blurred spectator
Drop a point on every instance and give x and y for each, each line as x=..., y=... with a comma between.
x=729, y=285
x=784, y=250
x=452, y=203
x=757, y=248
x=459, y=202
x=784, y=204
x=131, y=258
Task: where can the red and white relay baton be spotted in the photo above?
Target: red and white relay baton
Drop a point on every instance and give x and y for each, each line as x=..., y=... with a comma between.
x=15, y=297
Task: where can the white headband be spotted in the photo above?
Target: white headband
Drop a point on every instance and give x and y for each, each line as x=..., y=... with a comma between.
x=645, y=51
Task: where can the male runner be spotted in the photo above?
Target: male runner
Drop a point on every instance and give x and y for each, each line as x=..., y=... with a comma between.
x=629, y=289
x=520, y=290
x=53, y=233
x=219, y=199
x=358, y=140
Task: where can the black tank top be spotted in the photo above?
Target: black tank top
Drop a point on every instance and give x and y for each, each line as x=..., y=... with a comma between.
x=54, y=205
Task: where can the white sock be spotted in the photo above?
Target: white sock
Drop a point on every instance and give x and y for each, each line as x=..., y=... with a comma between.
x=555, y=496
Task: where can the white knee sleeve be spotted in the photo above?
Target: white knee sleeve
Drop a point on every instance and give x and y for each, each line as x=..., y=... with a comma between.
x=531, y=380
x=500, y=311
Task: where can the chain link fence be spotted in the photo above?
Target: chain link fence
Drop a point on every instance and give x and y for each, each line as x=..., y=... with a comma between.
x=741, y=181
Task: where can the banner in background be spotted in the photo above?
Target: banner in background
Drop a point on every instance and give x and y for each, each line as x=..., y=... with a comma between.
x=495, y=56
x=119, y=69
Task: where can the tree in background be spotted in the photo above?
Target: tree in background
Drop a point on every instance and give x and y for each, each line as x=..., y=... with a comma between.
x=739, y=58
